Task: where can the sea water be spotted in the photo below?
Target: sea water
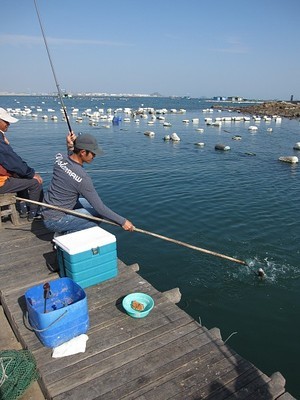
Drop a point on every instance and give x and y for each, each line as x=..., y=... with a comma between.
x=242, y=203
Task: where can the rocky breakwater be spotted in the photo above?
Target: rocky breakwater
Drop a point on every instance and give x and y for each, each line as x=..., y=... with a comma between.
x=271, y=108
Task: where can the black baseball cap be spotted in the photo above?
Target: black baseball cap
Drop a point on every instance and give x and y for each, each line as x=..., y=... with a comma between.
x=85, y=141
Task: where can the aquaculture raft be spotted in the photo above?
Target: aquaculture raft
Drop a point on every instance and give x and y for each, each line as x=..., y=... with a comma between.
x=165, y=355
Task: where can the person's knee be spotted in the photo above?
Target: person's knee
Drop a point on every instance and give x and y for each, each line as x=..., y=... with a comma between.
x=36, y=186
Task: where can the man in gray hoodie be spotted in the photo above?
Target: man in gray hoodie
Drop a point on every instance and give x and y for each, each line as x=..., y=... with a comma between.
x=72, y=188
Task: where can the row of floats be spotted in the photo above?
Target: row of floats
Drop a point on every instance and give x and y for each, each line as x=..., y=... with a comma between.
x=95, y=116
x=223, y=147
x=148, y=113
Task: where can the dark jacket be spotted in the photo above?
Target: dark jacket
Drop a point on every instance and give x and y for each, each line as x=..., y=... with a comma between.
x=14, y=163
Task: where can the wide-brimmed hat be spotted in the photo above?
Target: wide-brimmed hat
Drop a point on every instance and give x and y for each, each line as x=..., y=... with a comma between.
x=85, y=141
x=5, y=116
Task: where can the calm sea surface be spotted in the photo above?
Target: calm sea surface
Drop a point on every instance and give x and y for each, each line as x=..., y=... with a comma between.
x=242, y=203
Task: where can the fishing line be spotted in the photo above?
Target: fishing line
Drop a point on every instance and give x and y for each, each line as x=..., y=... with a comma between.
x=52, y=67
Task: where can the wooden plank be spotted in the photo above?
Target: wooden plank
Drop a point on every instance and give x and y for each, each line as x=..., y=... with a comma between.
x=166, y=355
x=132, y=363
x=105, y=352
x=40, y=272
x=152, y=384
x=229, y=382
x=286, y=396
x=193, y=368
x=25, y=229
x=108, y=346
x=103, y=364
x=102, y=340
x=18, y=251
x=272, y=388
x=215, y=382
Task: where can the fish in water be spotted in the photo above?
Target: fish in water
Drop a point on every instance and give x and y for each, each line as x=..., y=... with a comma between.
x=261, y=273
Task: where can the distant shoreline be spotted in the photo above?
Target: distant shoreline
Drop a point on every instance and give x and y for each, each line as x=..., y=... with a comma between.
x=268, y=108
x=280, y=108
x=132, y=95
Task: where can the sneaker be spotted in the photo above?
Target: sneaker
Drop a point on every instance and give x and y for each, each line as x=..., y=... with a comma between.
x=23, y=215
x=32, y=218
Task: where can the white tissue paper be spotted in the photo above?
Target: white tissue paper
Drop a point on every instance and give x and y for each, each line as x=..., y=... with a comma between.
x=73, y=346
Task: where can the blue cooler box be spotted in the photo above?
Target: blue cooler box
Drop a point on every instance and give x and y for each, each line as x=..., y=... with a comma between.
x=62, y=315
x=88, y=256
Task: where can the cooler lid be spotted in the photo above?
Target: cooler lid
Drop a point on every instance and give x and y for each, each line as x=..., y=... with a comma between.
x=84, y=240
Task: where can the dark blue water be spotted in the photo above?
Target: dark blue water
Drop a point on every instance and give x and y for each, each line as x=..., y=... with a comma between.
x=242, y=203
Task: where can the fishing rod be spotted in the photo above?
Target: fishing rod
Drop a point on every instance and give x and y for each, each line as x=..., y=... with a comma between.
x=52, y=67
x=93, y=218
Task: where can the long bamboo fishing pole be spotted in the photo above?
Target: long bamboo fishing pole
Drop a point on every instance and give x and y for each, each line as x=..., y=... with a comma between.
x=93, y=218
x=52, y=67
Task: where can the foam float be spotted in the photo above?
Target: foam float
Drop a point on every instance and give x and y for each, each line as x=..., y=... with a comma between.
x=289, y=159
x=222, y=147
x=296, y=146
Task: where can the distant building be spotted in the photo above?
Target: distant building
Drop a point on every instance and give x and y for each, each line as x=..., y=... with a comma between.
x=220, y=98
x=235, y=99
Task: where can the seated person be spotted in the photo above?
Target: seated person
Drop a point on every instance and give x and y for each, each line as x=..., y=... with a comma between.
x=72, y=188
x=15, y=174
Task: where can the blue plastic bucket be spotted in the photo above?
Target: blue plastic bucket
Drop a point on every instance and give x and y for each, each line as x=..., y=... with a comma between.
x=66, y=313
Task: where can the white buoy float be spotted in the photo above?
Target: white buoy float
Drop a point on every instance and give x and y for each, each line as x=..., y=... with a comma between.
x=289, y=159
x=175, y=137
x=200, y=144
x=222, y=147
x=149, y=133
x=237, y=137
x=208, y=121
x=216, y=123
x=167, y=137
x=296, y=146
x=252, y=128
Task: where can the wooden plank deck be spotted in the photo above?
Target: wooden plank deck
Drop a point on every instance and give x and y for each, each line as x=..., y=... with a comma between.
x=166, y=355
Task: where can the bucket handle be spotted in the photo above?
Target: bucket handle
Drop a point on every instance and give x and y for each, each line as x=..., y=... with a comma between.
x=49, y=326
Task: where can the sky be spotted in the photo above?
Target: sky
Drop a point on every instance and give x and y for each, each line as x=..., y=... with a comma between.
x=196, y=48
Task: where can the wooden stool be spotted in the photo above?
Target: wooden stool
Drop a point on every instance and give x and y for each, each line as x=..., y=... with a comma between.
x=8, y=208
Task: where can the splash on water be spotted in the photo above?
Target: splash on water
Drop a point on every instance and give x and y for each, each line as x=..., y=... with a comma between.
x=275, y=273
